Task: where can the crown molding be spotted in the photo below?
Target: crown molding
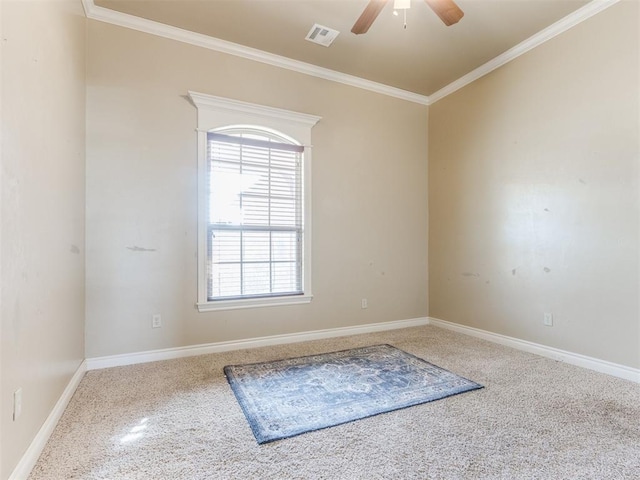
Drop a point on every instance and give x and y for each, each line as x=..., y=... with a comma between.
x=561, y=26
x=106, y=15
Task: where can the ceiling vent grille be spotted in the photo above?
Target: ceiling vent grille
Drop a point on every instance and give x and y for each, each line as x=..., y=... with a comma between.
x=322, y=35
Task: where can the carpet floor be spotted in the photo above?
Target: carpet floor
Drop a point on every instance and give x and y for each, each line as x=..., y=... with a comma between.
x=535, y=419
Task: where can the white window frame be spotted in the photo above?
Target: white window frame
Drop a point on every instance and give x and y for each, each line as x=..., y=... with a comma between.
x=215, y=113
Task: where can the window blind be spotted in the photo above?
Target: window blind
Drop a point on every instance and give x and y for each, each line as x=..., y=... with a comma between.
x=255, y=215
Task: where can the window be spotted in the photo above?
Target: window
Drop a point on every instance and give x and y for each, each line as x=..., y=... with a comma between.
x=254, y=238
x=254, y=205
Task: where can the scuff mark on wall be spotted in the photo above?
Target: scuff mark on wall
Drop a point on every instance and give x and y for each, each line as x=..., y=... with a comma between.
x=546, y=269
x=513, y=272
x=136, y=248
x=74, y=249
x=469, y=274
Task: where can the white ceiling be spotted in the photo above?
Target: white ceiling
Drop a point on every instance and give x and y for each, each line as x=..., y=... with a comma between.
x=422, y=59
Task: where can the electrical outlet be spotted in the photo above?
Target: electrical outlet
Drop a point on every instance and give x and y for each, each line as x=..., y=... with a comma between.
x=17, y=404
x=548, y=319
x=156, y=322
x=365, y=304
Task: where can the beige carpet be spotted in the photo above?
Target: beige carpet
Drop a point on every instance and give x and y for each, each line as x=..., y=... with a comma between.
x=178, y=419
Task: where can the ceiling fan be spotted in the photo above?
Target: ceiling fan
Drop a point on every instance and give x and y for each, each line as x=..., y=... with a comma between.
x=447, y=10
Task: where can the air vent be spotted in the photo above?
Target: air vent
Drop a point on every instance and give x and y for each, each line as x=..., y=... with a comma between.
x=322, y=35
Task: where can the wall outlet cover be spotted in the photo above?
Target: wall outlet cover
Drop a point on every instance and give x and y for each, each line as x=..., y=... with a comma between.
x=17, y=404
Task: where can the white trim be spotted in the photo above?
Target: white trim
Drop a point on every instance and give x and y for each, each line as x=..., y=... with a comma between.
x=113, y=17
x=602, y=366
x=97, y=363
x=561, y=26
x=106, y=15
x=253, y=303
x=216, y=112
x=201, y=100
x=29, y=459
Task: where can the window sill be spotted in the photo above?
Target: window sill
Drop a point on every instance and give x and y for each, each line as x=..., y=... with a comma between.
x=253, y=303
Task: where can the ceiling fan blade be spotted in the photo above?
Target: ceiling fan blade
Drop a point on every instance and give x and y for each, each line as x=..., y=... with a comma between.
x=447, y=10
x=370, y=13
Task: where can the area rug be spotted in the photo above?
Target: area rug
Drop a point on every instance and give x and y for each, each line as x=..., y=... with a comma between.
x=285, y=398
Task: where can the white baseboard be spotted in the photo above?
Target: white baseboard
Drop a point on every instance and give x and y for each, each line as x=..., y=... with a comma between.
x=30, y=457
x=190, y=351
x=602, y=366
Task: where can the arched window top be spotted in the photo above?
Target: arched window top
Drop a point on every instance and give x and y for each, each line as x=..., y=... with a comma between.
x=256, y=133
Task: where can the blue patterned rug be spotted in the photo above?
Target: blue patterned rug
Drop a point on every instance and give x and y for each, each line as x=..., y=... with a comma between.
x=288, y=397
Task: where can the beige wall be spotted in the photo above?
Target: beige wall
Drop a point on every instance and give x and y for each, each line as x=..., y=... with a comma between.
x=369, y=179
x=43, y=154
x=533, y=194
x=533, y=191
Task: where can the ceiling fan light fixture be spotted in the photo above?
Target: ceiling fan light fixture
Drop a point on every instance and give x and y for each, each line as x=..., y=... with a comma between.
x=447, y=10
x=401, y=4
